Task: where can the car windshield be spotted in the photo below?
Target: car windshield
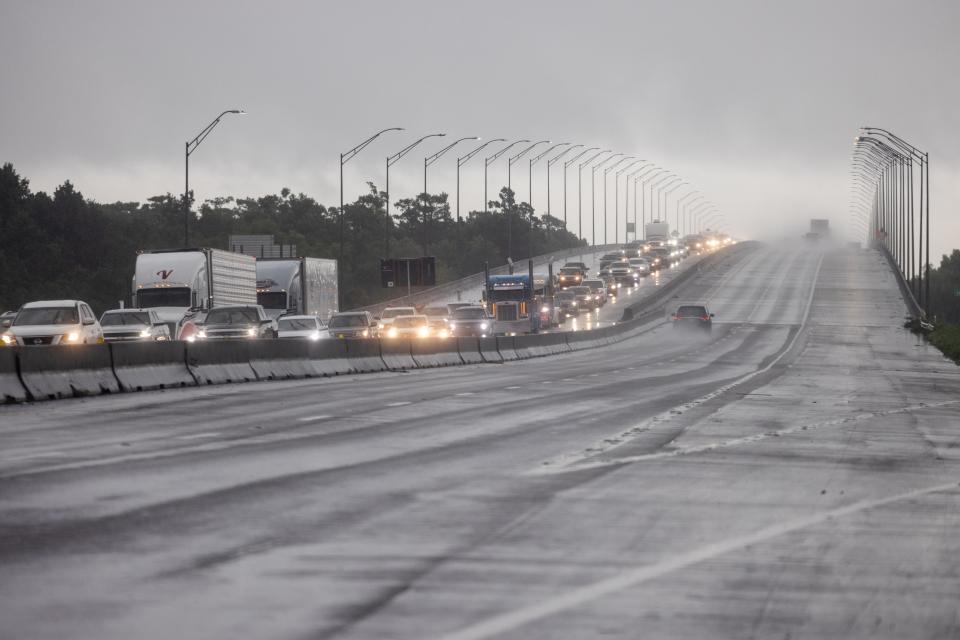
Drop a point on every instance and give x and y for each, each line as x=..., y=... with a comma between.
x=570, y=271
x=620, y=265
x=397, y=311
x=435, y=311
x=47, y=315
x=691, y=311
x=128, y=317
x=296, y=324
x=243, y=315
x=163, y=297
x=593, y=284
x=410, y=322
x=580, y=291
x=469, y=314
x=348, y=320
x=564, y=296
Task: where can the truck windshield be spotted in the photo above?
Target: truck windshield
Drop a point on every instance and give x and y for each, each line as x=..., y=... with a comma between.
x=352, y=320
x=232, y=316
x=296, y=324
x=469, y=314
x=272, y=299
x=130, y=317
x=47, y=315
x=163, y=297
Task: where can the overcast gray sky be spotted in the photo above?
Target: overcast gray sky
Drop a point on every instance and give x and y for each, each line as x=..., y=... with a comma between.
x=755, y=103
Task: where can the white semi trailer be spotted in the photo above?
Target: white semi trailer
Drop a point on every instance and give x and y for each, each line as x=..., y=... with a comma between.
x=297, y=286
x=656, y=230
x=177, y=282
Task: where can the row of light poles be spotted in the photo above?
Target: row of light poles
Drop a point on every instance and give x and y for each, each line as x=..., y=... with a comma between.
x=882, y=196
x=641, y=172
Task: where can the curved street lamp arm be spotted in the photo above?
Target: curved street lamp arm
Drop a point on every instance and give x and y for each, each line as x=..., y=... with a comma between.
x=536, y=159
x=594, y=157
x=347, y=156
x=193, y=144
x=579, y=155
x=554, y=159
x=494, y=157
x=517, y=157
x=465, y=159
x=391, y=160
x=429, y=160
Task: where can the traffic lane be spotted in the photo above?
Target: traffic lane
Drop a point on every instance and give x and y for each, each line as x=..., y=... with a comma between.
x=171, y=548
x=578, y=395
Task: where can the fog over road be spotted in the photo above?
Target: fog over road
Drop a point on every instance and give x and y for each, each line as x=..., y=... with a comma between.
x=793, y=474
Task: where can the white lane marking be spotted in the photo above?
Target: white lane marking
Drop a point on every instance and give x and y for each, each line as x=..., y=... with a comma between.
x=567, y=460
x=313, y=418
x=33, y=456
x=398, y=404
x=627, y=579
x=467, y=393
x=200, y=436
x=514, y=387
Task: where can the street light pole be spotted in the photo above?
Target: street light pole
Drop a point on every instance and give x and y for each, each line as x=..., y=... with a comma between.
x=593, y=198
x=510, y=161
x=681, y=220
x=490, y=160
x=189, y=148
x=429, y=160
x=647, y=175
x=550, y=163
x=666, y=206
x=616, y=202
x=392, y=160
x=460, y=162
x=579, y=188
x=345, y=158
x=632, y=177
x=606, y=172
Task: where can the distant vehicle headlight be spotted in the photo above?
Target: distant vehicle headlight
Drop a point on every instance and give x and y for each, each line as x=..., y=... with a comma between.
x=392, y=332
x=544, y=309
x=443, y=333
x=315, y=335
x=73, y=336
x=484, y=326
x=596, y=297
x=145, y=333
x=8, y=339
x=366, y=333
x=251, y=333
x=574, y=303
x=423, y=332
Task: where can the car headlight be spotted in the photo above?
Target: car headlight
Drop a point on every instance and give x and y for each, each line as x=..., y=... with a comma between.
x=73, y=336
x=596, y=297
x=544, y=309
x=453, y=325
x=145, y=333
x=8, y=339
x=442, y=333
x=423, y=332
x=315, y=335
x=201, y=334
x=366, y=333
x=392, y=332
x=251, y=333
x=574, y=303
x=484, y=326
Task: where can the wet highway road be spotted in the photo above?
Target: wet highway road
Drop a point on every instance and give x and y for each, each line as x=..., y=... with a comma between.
x=793, y=474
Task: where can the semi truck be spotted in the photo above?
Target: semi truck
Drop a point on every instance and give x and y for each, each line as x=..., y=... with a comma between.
x=819, y=229
x=181, y=282
x=656, y=230
x=297, y=286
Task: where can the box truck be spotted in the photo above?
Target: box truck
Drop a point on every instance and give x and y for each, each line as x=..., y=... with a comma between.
x=297, y=286
x=179, y=282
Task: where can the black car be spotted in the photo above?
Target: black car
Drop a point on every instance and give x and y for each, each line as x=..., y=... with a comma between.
x=471, y=321
x=692, y=316
x=241, y=321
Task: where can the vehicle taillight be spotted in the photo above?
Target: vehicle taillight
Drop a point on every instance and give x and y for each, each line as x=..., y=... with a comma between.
x=705, y=318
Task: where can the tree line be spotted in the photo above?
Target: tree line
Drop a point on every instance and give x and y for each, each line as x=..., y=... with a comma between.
x=66, y=246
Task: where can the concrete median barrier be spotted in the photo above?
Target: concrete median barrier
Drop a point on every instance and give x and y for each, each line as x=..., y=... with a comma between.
x=48, y=373
x=220, y=361
x=548, y=344
x=140, y=366
x=436, y=352
x=469, y=350
x=397, y=353
x=489, y=351
x=292, y=359
x=11, y=389
x=526, y=346
x=506, y=347
x=364, y=356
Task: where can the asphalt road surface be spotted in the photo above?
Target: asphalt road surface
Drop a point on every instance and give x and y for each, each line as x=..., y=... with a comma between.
x=794, y=474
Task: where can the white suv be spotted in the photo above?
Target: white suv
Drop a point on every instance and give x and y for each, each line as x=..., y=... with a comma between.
x=50, y=322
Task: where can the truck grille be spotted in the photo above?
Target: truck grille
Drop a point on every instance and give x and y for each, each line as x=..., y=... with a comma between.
x=507, y=312
x=38, y=340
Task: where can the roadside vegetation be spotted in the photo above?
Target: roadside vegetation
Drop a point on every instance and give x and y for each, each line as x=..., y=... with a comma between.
x=66, y=246
x=944, y=314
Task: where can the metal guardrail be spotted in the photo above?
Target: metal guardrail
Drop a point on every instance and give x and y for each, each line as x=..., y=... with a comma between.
x=912, y=304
